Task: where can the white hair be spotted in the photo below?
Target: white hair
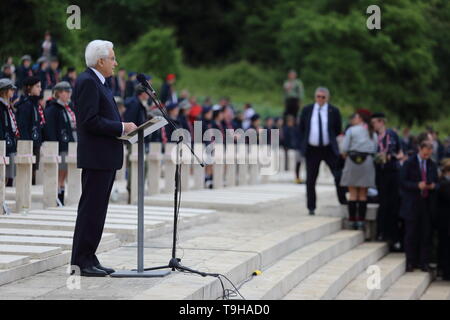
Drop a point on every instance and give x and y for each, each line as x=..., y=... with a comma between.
x=95, y=50
x=324, y=90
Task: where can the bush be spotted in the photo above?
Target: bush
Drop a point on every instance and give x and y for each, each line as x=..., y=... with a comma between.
x=155, y=53
x=247, y=76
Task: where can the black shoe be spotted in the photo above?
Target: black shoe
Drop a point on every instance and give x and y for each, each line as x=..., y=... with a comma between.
x=61, y=197
x=93, y=272
x=107, y=270
x=311, y=212
x=409, y=268
x=425, y=268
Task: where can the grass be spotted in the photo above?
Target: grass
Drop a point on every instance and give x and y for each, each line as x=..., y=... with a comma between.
x=206, y=81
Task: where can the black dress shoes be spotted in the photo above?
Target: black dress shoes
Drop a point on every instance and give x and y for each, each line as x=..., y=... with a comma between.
x=425, y=268
x=311, y=212
x=107, y=270
x=93, y=272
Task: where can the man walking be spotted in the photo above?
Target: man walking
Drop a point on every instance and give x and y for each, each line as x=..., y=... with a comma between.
x=99, y=153
x=320, y=124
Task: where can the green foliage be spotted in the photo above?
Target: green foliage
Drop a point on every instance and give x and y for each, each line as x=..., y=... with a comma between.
x=155, y=52
x=390, y=69
x=246, y=76
x=402, y=69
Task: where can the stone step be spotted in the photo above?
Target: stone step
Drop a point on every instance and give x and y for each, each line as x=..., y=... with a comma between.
x=65, y=243
x=11, y=261
x=112, y=220
x=240, y=262
x=32, y=266
x=285, y=274
x=36, y=252
x=241, y=198
x=329, y=280
x=129, y=211
x=46, y=233
x=437, y=290
x=391, y=267
x=160, y=209
x=410, y=286
x=68, y=226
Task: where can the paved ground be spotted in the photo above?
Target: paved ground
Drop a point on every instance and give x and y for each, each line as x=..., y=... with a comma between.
x=196, y=245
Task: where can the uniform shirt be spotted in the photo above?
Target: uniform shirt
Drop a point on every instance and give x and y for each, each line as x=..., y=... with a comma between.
x=357, y=138
x=314, y=125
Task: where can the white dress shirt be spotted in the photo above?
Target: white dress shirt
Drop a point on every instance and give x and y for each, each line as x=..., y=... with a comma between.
x=313, y=138
x=103, y=80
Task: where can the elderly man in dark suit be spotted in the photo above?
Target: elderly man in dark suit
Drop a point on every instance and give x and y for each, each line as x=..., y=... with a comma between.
x=99, y=153
x=320, y=124
x=419, y=181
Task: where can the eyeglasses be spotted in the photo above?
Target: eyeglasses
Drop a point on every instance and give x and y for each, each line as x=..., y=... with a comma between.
x=111, y=58
x=321, y=97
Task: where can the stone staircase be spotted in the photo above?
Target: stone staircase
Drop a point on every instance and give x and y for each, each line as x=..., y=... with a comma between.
x=42, y=239
x=314, y=259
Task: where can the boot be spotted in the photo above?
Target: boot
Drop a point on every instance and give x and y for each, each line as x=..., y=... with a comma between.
x=362, y=209
x=61, y=196
x=352, y=214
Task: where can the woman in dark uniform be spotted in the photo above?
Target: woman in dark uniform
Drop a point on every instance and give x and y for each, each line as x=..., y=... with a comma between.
x=9, y=131
x=61, y=126
x=30, y=117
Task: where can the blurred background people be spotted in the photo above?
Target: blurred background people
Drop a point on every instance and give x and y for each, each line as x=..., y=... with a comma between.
x=61, y=125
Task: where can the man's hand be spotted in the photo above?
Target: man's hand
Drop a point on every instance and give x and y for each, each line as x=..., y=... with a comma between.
x=431, y=186
x=128, y=127
x=422, y=185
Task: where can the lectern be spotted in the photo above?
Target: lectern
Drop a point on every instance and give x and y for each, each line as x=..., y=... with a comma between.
x=137, y=136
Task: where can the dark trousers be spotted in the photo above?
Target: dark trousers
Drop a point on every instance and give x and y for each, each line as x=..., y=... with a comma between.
x=418, y=239
x=292, y=106
x=388, y=220
x=315, y=155
x=96, y=188
x=443, y=252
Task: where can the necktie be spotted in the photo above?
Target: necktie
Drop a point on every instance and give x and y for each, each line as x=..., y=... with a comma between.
x=320, y=130
x=424, y=178
x=14, y=122
x=72, y=116
x=41, y=114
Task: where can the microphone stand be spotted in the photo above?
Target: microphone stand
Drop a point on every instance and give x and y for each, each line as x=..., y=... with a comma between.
x=174, y=262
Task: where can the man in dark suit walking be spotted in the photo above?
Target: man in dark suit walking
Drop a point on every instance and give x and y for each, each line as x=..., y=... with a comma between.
x=99, y=153
x=320, y=124
x=419, y=180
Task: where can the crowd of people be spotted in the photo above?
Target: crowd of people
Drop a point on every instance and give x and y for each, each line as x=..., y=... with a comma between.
x=410, y=174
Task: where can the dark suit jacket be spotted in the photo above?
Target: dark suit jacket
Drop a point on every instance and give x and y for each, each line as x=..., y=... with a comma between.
x=135, y=111
x=98, y=124
x=410, y=176
x=334, y=127
x=29, y=120
x=6, y=130
x=57, y=125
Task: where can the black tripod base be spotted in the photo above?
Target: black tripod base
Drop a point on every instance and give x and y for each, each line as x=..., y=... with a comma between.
x=175, y=264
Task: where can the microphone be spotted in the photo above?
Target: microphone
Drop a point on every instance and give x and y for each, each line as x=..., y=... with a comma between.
x=141, y=78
